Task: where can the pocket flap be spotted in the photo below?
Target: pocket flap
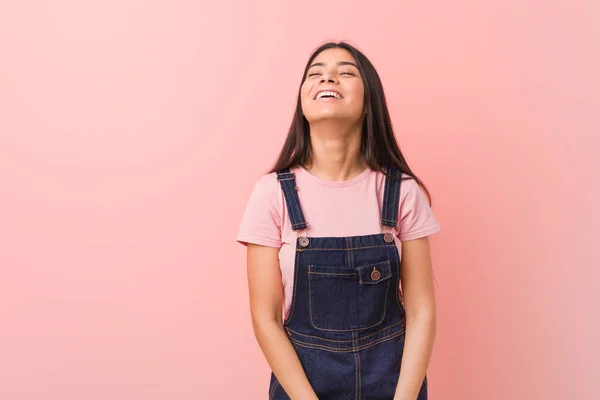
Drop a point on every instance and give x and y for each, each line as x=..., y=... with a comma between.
x=317, y=272
x=375, y=273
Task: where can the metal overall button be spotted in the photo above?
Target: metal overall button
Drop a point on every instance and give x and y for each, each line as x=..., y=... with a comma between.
x=303, y=241
x=375, y=274
x=388, y=237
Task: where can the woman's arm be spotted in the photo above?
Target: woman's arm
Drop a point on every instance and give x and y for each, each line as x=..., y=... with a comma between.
x=264, y=281
x=419, y=301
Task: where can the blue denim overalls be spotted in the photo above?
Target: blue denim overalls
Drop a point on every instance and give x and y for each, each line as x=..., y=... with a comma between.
x=347, y=319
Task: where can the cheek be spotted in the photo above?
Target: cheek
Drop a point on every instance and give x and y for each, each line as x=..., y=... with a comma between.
x=360, y=91
x=355, y=89
x=304, y=90
x=358, y=96
x=305, y=96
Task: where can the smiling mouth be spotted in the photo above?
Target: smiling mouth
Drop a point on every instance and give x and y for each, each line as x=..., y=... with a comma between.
x=328, y=94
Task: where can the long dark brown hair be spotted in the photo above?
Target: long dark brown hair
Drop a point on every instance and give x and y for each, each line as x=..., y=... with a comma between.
x=378, y=143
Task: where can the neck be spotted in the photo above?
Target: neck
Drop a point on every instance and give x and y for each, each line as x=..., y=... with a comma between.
x=335, y=152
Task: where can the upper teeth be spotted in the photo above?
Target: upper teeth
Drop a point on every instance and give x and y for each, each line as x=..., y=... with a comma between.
x=334, y=94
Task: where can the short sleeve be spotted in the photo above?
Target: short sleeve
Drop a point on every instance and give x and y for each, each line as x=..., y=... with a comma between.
x=415, y=215
x=261, y=221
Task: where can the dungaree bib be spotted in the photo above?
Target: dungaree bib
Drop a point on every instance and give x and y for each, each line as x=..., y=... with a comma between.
x=347, y=320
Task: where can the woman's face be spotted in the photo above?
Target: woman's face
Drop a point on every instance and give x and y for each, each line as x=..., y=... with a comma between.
x=333, y=88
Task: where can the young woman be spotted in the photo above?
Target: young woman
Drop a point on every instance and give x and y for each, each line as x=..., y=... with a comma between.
x=339, y=267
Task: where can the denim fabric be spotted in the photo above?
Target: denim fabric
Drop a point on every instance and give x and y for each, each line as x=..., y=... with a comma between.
x=347, y=320
x=391, y=199
x=287, y=181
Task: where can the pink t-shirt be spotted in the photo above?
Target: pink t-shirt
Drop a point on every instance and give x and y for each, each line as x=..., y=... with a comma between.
x=333, y=209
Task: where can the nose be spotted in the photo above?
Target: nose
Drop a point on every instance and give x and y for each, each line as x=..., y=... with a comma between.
x=328, y=77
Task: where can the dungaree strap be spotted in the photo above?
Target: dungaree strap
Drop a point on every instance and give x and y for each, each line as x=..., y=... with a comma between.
x=287, y=180
x=391, y=198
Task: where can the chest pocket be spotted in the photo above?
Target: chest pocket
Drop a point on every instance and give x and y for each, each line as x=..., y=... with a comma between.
x=344, y=299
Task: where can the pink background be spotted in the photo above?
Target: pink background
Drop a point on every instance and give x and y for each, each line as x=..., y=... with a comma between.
x=131, y=133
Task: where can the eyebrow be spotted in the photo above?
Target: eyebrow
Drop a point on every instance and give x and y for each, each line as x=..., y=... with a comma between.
x=340, y=63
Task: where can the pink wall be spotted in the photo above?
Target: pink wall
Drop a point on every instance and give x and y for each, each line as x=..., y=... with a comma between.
x=125, y=163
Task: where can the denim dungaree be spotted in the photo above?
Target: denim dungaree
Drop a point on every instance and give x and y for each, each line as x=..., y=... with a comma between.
x=347, y=319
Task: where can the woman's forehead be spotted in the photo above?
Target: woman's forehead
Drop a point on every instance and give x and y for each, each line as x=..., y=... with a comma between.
x=334, y=55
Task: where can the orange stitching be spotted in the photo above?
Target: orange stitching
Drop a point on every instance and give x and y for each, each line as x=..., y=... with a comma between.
x=398, y=263
x=359, y=383
x=386, y=195
x=336, y=350
x=353, y=329
x=328, y=273
x=357, y=378
x=350, y=258
x=292, y=306
x=355, y=248
x=298, y=206
x=386, y=266
x=274, y=388
x=346, y=341
x=399, y=333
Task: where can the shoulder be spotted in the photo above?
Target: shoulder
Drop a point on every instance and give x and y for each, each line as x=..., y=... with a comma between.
x=409, y=185
x=267, y=183
x=267, y=193
x=266, y=187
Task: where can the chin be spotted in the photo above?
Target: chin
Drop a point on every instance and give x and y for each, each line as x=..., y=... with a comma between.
x=330, y=116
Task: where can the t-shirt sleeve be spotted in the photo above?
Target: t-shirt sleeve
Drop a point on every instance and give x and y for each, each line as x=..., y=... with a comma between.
x=415, y=215
x=261, y=222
